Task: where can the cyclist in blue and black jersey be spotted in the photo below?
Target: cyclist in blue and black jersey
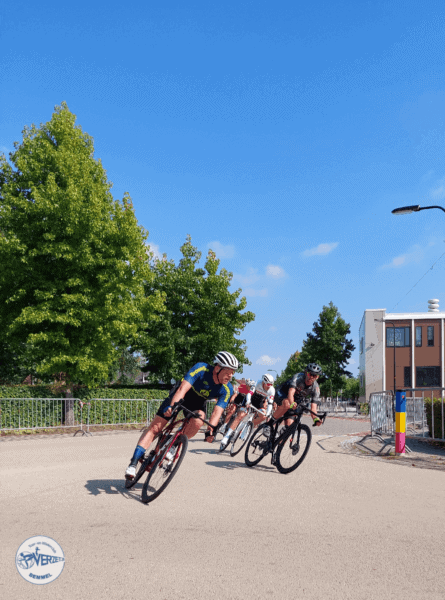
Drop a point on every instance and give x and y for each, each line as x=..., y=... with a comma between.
x=203, y=382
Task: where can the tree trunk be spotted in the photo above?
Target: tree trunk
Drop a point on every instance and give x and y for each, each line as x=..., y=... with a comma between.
x=69, y=408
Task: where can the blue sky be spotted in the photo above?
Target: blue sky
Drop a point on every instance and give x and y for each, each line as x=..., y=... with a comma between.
x=280, y=134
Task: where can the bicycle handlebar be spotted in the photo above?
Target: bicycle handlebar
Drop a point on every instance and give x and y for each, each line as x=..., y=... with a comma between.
x=300, y=409
x=178, y=407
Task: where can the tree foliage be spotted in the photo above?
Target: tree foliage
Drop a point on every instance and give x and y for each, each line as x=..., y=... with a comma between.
x=126, y=367
x=201, y=315
x=73, y=258
x=351, y=388
x=328, y=346
x=290, y=370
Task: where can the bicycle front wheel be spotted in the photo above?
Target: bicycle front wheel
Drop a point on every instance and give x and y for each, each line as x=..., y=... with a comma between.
x=163, y=470
x=292, y=450
x=258, y=447
x=241, y=437
x=144, y=464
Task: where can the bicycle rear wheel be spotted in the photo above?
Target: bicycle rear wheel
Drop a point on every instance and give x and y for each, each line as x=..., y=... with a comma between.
x=241, y=437
x=257, y=448
x=292, y=450
x=163, y=470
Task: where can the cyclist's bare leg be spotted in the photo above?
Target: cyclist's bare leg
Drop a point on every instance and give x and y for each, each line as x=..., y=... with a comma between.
x=260, y=418
x=281, y=410
x=152, y=430
x=239, y=417
x=194, y=425
x=230, y=410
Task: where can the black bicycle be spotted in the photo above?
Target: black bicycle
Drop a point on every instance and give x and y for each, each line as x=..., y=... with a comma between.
x=288, y=445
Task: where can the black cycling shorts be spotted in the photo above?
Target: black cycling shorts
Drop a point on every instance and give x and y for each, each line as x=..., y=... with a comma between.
x=258, y=401
x=240, y=400
x=191, y=400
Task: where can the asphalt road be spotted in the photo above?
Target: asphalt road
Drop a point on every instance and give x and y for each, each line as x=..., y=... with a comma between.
x=340, y=527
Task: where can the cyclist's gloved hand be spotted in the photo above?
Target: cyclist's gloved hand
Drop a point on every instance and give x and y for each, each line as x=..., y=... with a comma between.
x=317, y=422
x=166, y=409
x=209, y=436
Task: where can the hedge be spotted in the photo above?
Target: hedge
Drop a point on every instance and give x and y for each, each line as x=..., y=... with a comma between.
x=437, y=409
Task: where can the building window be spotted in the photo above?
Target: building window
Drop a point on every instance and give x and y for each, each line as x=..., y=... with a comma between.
x=418, y=336
x=428, y=377
x=407, y=380
x=402, y=336
x=430, y=336
x=362, y=345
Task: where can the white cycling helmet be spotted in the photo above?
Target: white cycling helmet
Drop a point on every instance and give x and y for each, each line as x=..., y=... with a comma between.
x=268, y=378
x=226, y=360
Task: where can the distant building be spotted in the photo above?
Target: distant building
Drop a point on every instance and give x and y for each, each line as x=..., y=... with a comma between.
x=418, y=342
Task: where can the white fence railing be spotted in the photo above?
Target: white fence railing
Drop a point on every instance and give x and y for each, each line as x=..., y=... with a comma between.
x=54, y=413
x=381, y=410
x=425, y=412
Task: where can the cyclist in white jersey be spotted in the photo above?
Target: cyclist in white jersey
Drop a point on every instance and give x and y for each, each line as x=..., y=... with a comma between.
x=261, y=395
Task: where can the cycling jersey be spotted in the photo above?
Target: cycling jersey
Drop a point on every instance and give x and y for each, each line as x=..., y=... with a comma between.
x=257, y=395
x=201, y=378
x=203, y=388
x=303, y=393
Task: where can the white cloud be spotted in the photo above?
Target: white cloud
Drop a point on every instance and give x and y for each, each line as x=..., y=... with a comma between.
x=273, y=328
x=321, y=249
x=438, y=193
x=415, y=256
x=222, y=251
x=248, y=279
x=267, y=360
x=352, y=362
x=275, y=271
x=252, y=292
x=154, y=249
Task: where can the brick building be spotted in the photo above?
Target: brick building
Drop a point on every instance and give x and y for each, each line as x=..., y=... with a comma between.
x=414, y=342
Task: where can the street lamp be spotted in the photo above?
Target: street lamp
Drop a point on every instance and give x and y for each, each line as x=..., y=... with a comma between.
x=405, y=210
x=274, y=372
x=394, y=327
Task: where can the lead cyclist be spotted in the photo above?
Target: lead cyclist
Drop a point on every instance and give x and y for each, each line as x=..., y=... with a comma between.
x=200, y=383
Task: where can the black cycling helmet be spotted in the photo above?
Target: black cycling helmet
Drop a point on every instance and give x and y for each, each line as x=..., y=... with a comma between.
x=313, y=368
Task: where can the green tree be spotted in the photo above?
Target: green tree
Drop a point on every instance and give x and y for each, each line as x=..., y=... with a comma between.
x=290, y=370
x=351, y=387
x=126, y=367
x=74, y=259
x=201, y=315
x=328, y=346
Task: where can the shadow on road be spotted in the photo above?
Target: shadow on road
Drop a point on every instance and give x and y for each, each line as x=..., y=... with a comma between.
x=113, y=486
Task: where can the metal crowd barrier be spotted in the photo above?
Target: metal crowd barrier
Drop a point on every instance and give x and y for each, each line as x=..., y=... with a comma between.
x=418, y=414
x=421, y=420
x=20, y=414
x=382, y=412
x=340, y=407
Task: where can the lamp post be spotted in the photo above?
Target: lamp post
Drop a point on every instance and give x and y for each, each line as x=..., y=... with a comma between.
x=405, y=210
x=394, y=328
x=273, y=371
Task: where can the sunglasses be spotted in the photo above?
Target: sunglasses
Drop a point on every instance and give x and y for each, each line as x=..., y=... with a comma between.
x=311, y=375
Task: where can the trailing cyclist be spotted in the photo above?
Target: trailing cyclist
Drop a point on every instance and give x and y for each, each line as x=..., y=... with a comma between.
x=201, y=383
x=302, y=387
x=261, y=395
